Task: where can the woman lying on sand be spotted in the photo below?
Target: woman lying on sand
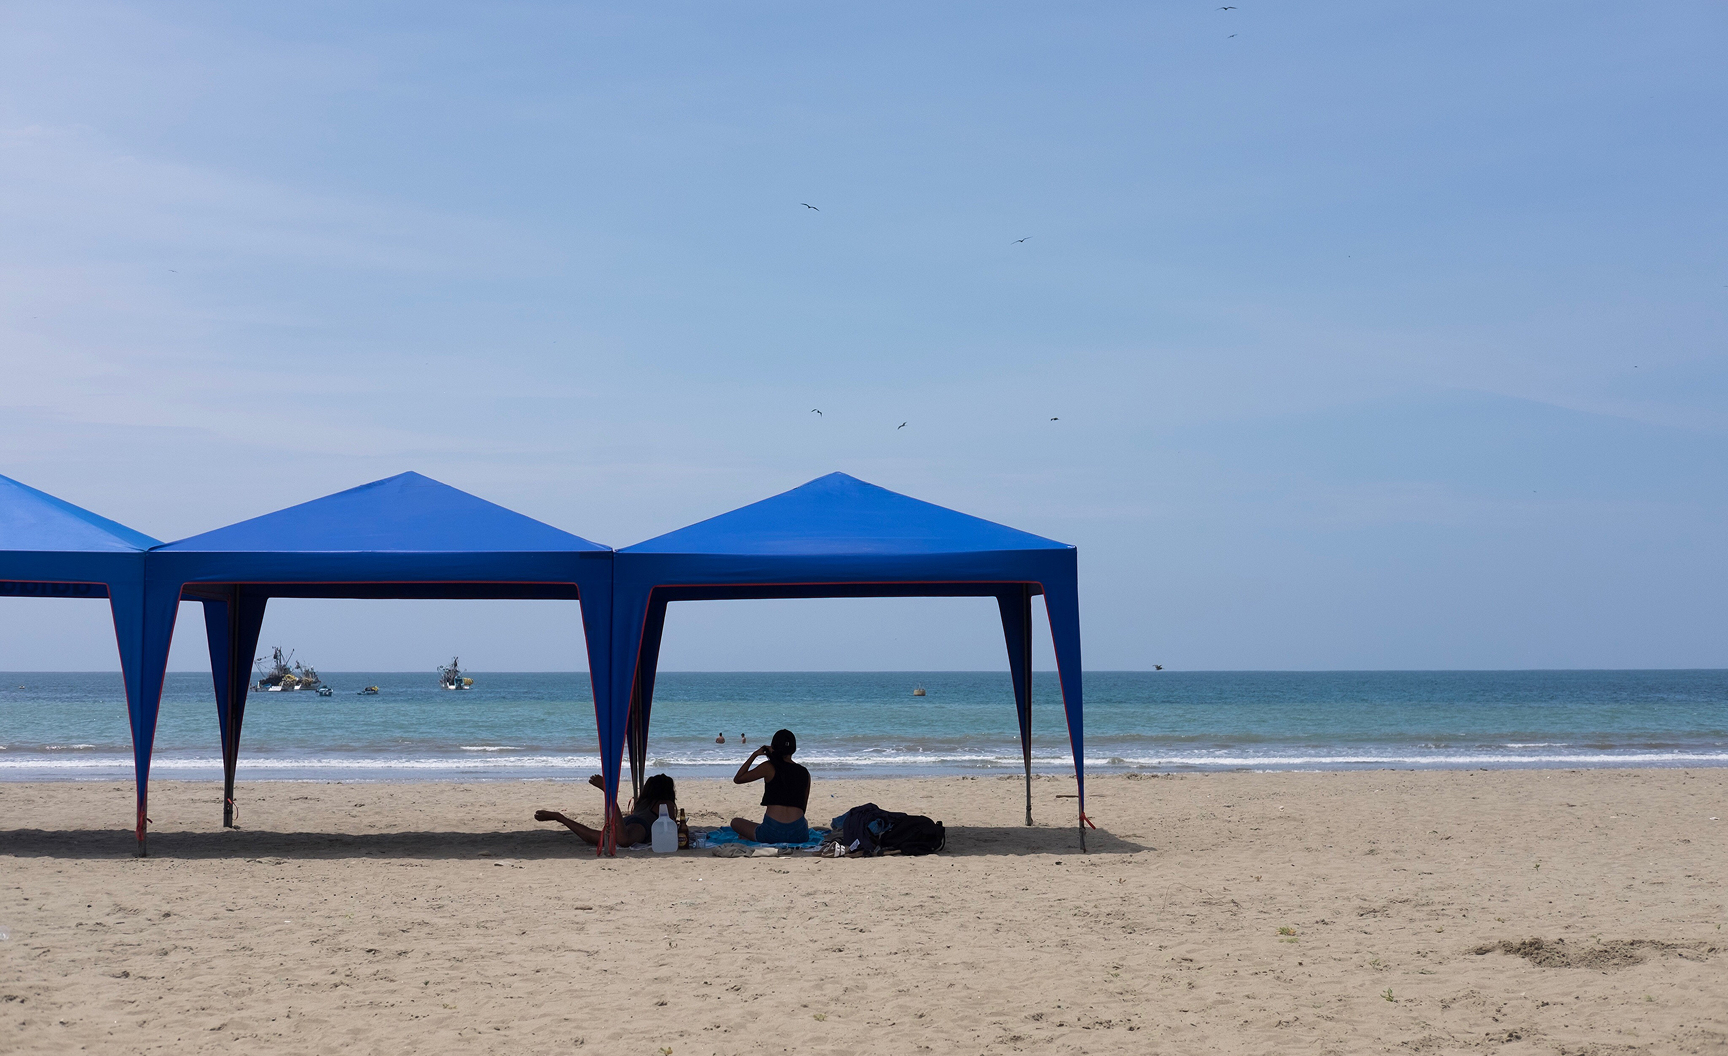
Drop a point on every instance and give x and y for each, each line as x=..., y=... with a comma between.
x=784, y=797
x=656, y=790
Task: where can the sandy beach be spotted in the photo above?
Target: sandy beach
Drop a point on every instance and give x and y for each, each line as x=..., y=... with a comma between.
x=1341, y=912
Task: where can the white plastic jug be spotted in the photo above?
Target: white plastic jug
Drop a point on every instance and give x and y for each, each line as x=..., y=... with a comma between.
x=665, y=833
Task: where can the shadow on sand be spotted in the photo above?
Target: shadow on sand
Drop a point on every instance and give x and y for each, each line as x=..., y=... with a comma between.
x=964, y=841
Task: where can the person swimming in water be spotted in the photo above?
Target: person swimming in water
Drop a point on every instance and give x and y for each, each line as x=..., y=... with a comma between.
x=785, y=794
x=657, y=791
x=720, y=739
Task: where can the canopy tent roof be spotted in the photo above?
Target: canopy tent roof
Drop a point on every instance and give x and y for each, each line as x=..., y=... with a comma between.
x=837, y=536
x=47, y=538
x=841, y=516
x=408, y=525
x=406, y=536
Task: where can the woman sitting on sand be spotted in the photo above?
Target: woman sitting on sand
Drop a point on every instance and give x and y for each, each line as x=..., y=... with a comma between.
x=656, y=791
x=784, y=797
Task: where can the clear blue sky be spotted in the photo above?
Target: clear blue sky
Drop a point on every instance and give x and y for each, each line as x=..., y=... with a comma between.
x=1380, y=335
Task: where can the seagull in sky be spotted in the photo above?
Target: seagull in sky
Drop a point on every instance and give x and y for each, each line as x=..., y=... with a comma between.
x=1055, y=419
x=1157, y=667
x=816, y=412
x=807, y=205
x=899, y=427
x=1020, y=240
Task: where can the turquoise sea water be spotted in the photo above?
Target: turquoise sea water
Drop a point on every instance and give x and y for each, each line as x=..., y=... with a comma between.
x=73, y=725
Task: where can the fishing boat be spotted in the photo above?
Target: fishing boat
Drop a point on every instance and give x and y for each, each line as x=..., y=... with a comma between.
x=288, y=677
x=917, y=691
x=451, y=677
x=369, y=691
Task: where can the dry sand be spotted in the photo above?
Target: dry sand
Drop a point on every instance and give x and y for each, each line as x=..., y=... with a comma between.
x=1221, y=913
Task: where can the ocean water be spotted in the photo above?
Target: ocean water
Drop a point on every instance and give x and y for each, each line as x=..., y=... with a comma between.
x=73, y=725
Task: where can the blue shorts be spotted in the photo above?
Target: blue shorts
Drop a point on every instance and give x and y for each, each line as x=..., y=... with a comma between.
x=771, y=831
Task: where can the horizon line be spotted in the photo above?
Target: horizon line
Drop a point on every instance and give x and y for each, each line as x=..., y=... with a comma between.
x=973, y=671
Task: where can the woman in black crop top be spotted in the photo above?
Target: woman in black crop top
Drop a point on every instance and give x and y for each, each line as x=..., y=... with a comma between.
x=784, y=797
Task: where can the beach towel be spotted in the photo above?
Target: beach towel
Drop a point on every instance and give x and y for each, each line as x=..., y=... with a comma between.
x=723, y=837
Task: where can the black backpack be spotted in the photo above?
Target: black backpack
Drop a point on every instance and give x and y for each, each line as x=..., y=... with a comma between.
x=871, y=829
x=914, y=834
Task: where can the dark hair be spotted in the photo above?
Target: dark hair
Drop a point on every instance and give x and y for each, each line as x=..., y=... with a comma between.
x=783, y=744
x=655, y=791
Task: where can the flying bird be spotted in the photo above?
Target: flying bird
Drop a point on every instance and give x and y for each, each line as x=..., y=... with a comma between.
x=1055, y=419
x=1020, y=240
x=1157, y=667
x=899, y=427
x=1226, y=9
x=807, y=205
x=816, y=412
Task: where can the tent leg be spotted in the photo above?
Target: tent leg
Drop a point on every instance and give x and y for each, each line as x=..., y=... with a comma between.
x=635, y=739
x=232, y=625
x=143, y=625
x=1016, y=608
x=1082, y=827
x=642, y=693
x=1026, y=692
x=231, y=758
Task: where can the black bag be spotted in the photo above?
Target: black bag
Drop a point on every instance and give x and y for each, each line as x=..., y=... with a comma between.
x=914, y=834
x=854, y=828
x=872, y=830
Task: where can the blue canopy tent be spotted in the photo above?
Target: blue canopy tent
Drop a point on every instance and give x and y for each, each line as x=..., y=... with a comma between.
x=406, y=536
x=838, y=536
x=50, y=548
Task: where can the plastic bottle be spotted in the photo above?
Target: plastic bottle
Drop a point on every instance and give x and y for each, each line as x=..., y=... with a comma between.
x=664, y=833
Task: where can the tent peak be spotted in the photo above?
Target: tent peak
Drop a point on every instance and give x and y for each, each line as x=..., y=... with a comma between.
x=31, y=519
x=840, y=514
x=407, y=513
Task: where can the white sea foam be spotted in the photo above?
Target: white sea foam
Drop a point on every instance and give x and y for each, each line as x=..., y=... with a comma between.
x=870, y=761
x=491, y=747
x=286, y=763
x=1323, y=762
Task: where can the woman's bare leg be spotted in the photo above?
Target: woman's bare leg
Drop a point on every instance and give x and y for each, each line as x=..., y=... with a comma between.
x=746, y=829
x=587, y=834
